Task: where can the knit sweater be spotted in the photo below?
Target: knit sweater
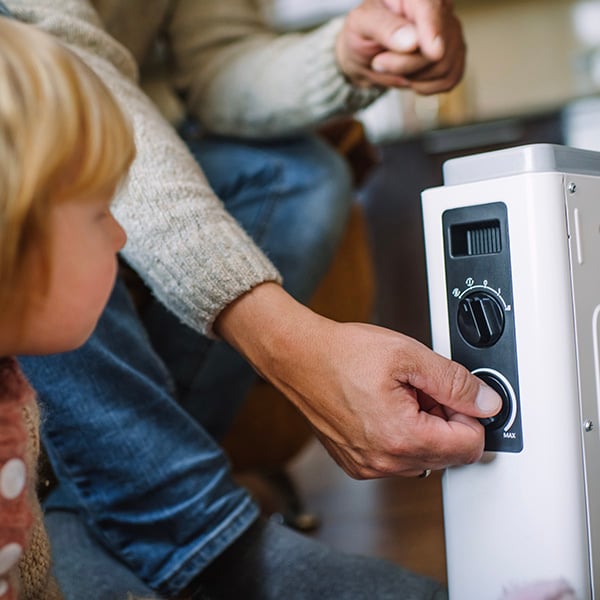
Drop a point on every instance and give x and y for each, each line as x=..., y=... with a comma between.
x=237, y=78
x=24, y=547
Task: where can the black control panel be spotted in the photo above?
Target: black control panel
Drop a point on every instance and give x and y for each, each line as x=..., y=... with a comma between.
x=481, y=311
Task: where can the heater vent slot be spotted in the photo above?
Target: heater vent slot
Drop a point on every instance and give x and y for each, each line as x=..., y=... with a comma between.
x=475, y=239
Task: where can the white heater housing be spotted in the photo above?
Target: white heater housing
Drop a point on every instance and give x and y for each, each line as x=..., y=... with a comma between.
x=513, y=263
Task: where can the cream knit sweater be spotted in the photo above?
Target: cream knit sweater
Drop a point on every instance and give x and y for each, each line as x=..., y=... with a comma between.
x=236, y=77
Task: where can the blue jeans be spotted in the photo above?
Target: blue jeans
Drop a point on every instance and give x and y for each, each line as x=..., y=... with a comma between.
x=131, y=418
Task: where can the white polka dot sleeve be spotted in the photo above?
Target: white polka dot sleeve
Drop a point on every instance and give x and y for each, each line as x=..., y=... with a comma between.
x=15, y=512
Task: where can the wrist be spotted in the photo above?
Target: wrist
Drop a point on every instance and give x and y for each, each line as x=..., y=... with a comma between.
x=266, y=325
x=347, y=67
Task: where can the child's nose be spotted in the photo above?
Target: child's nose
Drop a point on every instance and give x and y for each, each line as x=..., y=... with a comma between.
x=120, y=237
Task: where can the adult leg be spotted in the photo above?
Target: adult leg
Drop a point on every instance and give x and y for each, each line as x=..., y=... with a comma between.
x=84, y=568
x=147, y=480
x=293, y=197
x=272, y=562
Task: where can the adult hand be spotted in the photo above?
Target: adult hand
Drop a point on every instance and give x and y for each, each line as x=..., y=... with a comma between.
x=381, y=403
x=415, y=44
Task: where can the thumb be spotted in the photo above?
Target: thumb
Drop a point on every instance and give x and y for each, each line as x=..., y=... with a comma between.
x=452, y=385
x=389, y=31
x=428, y=19
x=404, y=38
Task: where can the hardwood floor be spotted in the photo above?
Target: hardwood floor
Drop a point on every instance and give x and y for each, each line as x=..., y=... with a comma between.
x=399, y=519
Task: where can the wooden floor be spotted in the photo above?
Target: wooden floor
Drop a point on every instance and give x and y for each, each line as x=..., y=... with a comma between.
x=399, y=519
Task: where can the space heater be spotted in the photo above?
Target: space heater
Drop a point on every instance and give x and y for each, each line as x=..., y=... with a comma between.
x=512, y=244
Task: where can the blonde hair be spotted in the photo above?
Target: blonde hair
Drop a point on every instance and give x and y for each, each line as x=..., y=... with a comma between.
x=62, y=134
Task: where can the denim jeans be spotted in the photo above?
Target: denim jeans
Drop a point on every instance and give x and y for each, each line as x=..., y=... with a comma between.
x=130, y=419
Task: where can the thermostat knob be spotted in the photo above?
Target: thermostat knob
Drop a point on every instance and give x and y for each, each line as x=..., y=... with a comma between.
x=480, y=319
x=503, y=388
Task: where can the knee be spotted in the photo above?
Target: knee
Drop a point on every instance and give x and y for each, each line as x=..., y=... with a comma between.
x=322, y=183
x=316, y=190
x=329, y=176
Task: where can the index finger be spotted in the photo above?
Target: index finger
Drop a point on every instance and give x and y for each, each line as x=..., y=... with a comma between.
x=456, y=441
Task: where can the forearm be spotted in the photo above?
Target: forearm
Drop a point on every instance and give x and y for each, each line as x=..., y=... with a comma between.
x=266, y=325
x=240, y=78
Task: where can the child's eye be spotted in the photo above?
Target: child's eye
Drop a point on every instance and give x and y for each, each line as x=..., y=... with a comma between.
x=103, y=213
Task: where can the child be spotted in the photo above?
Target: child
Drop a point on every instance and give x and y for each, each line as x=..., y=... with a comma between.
x=64, y=147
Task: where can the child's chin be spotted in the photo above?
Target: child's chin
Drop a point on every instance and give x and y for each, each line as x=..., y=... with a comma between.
x=74, y=341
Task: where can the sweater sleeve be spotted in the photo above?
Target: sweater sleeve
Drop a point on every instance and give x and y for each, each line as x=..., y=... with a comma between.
x=181, y=240
x=239, y=77
x=16, y=475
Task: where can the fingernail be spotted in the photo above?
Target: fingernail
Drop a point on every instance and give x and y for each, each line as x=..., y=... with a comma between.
x=488, y=400
x=377, y=67
x=405, y=39
x=437, y=45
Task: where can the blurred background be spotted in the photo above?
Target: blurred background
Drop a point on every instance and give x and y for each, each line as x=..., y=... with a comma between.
x=524, y=56
x=533, y=75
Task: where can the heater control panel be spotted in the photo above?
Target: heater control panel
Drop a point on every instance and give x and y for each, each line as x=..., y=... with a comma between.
x=481, y=311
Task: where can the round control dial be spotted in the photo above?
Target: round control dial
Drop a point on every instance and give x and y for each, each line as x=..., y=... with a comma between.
x=480, y=318
x=506, y=417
